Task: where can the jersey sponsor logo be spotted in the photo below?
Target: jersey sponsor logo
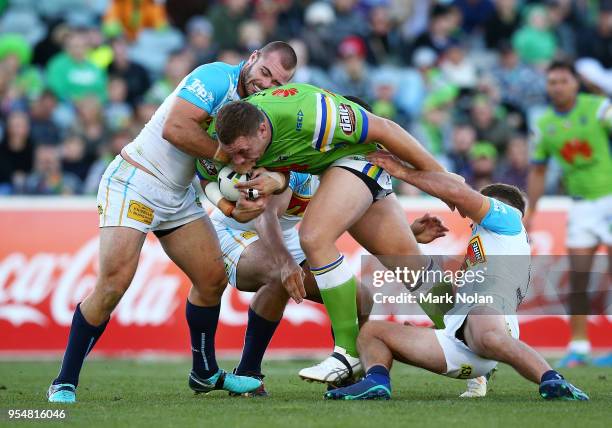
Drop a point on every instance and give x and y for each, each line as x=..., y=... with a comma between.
x=209, y=166
x=297, y=205
x=299, y=120
x=197, y=88
x=465, y=371
x=347, y=119
x=289, y=92
x=475, y=252
x=140, y=212
x=574, y=148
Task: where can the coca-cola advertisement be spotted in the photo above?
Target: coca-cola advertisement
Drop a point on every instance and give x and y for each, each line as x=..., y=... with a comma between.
x=48, y=263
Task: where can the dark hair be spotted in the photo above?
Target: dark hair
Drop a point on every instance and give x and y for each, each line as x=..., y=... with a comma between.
x=237, y=119
x=507, y=193
x=288, y=58
x=359, y=101
x=562, y=65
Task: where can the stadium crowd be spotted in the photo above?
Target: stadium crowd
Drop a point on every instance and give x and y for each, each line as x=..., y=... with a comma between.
x=80, y=78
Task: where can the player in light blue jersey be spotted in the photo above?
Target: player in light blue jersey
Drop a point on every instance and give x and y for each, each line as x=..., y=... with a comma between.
x=147, y=188
x=264, y=256
x=477, y=333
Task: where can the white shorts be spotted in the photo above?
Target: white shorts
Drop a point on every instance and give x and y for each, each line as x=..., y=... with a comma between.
x=589, y=223
x=130, y=197
x=461, y=361
x=234, y=242
x=362, y=167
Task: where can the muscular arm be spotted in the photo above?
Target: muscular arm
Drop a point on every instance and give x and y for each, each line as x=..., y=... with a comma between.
x=269, y=230
x=183, y=129
x=536, y=181
x=401, y=144
x=442, y=185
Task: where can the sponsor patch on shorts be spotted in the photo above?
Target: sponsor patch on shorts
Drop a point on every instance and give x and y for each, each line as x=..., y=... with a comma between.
x=100, y=209
x=465, y=371
x=248, y=234
x=140, y=212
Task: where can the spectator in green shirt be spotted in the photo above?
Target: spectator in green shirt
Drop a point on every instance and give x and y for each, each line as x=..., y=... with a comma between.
x=71, y=76
x=535, y=43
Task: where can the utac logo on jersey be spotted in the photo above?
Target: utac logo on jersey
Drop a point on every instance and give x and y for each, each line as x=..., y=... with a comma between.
x=289, y=92
x=197, y=88
x=347, y=119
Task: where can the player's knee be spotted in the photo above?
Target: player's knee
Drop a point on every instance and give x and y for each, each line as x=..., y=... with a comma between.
x=311, y=239
x=369, y=330
x=492, y=341
x=213, y=283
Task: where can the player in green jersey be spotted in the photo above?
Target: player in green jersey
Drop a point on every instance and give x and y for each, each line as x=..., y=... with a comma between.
x=300, y=127
x=575, y=131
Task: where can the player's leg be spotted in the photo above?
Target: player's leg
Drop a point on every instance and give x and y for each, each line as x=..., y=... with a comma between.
x=341, y=199
x=379, y=343
x=118, y=258
x=194, y=248
x=579, y=348
x=606, y=360
x=486, y=333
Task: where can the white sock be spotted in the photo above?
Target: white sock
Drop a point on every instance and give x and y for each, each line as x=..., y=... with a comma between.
x=332, y=275
x=581, y=346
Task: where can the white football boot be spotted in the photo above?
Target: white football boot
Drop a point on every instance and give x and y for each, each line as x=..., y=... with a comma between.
x=476, y=387
x=336, y=369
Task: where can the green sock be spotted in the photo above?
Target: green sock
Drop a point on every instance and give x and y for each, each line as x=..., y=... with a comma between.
x=341, y=305
x=436, y=311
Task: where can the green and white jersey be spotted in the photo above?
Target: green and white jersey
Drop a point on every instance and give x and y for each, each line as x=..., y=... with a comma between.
x=311, y=128
x=580, y=141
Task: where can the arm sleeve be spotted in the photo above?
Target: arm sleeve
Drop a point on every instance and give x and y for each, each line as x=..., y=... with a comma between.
x=205, y=87
x=604, y=113
x=502, y=219
x=338, y=122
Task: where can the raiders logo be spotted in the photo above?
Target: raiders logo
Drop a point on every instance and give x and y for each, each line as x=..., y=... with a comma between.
x=209, y=166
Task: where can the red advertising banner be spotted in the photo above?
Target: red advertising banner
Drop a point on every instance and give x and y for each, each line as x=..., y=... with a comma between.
x=48, y=263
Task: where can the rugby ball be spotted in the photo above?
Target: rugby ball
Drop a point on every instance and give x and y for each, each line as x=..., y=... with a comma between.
x=227, y=179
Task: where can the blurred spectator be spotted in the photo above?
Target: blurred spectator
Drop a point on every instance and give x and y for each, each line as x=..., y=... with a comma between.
x=457, y=68
x=596, y=42
x=502, y=24
x=74, y=157
x=52, y=44
x=117, y=112
x=129, y=17
x=178, y=66
x=515, y=166
x=16, y=151
x=15, y=55
x=44, y=130
x=199, y=40
x=488, y=126
x=251, y=36
x=143, y=113
x=90, y=124
x=475, y=13
x=266, y=14
x=534, y=42
x=71, y=76
x=47, y=178
x=458, y=159
x=521, y=85
x=226, y=16
x=318, y=34
x=180, y=12
x=136, y=77
x=348, y=20
x=383, y=40
x=305, y=73
x=351, y=75
x=118, y=140
x=558, y=14
x=434, y=130
x=438, y=36
x=483, y=158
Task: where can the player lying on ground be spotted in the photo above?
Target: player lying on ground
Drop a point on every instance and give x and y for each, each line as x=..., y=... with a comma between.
x=148, y=189
x=476, y=336
x=264, y=256
x=300, y=127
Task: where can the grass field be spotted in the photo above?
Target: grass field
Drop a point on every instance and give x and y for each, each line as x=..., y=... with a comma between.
x=149, y=394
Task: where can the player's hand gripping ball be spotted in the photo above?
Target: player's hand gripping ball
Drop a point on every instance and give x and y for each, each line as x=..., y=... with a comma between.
x=227, y=179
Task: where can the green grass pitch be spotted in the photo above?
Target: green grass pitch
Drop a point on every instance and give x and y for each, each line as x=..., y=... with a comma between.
x=148, y=394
